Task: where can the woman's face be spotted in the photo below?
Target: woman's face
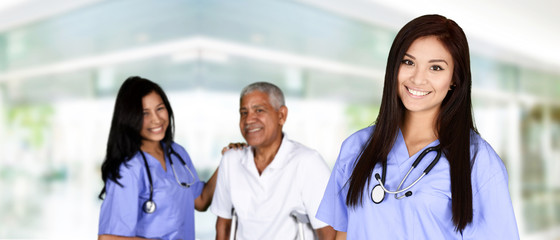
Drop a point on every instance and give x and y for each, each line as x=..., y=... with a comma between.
x=156, y=119
x=425, y=75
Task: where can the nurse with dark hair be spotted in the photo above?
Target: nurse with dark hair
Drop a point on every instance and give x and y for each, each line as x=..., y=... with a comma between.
x=151, y=186
x=422, y=171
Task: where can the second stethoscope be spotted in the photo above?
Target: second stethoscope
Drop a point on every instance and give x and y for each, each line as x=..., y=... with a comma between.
x=378, y=192
x=149, y=205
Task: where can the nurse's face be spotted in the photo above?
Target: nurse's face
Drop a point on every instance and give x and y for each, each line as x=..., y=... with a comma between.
x=260, y=123
x=425, y=75
x=156, y=119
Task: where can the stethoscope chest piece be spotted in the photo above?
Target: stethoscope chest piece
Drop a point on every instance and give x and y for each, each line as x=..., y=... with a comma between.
x=377, y=194
x=149, y=206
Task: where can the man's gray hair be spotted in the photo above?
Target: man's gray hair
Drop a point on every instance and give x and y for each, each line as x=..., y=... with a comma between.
x=275, y=95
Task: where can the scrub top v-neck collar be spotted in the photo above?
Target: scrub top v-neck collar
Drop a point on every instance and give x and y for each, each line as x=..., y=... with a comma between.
x=155, y=165
x=400, y=152
x=153, y=162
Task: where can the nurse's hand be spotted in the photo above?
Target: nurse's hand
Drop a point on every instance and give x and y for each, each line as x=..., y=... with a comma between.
x=238, y=145
x=340, y=235
x=326, y=233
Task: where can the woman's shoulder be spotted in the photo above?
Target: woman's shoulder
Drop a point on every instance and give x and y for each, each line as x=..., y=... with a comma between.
x=479, y=146
x=359, y=138
x=354, y=144
x=178, y=148
x=486, y=164
x=132, y=167
x=134, y=162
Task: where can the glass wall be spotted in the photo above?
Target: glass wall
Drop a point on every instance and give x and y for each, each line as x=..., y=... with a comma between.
x=59, y=77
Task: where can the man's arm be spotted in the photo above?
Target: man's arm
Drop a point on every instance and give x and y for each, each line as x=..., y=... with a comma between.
x=326, y=233
x=223, y=228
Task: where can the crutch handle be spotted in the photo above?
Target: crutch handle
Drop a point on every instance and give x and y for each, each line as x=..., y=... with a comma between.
x=301, y=219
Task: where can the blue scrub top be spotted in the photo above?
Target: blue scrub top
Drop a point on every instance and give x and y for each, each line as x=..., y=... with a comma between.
x=121, y=211
x=427, y=213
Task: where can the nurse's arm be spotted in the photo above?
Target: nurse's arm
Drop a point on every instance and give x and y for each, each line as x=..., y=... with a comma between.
x=202, y=202
x=326, y=233
x=113, y=237
x=223, y=228
x=340, y=236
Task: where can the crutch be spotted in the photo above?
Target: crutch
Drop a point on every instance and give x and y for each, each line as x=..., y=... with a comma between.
x=302, y=219
x=233, y=229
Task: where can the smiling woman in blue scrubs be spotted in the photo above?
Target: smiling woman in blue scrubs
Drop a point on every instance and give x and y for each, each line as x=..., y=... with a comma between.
x=425, y=110
x=151, y=187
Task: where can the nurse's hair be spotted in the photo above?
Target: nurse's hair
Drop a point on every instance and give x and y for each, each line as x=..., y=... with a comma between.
x=454, y=123
x=275, y=95
x=124, y=136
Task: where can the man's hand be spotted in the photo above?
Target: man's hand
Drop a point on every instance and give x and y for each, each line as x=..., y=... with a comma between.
x=238, y=145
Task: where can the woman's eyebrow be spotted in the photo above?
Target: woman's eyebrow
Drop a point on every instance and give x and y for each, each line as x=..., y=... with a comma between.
x=438, y=60
x=431, y=61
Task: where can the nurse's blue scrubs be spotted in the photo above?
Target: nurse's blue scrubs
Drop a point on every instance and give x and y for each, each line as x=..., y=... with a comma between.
x=427, y=213
x=121, y=211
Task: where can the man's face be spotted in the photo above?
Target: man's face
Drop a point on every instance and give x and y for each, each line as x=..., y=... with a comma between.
x=260, y=124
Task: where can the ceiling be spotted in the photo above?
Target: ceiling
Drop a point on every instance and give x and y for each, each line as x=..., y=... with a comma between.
x=519, y=31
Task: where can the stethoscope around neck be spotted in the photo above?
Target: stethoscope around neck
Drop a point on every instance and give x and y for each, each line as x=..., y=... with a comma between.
x=149, y=205
x=378, y=192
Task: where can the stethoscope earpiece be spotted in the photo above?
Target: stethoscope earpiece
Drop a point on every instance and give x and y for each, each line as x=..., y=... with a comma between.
x=149, y=206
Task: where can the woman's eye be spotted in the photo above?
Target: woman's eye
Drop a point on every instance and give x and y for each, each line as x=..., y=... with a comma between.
x=436, y=68
x=407, y=62
x=161, y=108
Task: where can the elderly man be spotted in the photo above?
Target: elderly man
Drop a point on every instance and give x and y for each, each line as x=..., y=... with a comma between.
x=272, y=177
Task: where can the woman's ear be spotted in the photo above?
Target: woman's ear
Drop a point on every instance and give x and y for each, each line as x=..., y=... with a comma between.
x=452, y=87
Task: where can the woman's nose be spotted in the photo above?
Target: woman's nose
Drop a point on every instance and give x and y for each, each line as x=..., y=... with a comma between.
x=156, y=118
x=418, y=77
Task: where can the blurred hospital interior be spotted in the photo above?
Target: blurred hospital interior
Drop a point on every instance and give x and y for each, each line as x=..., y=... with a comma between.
x=62, y=62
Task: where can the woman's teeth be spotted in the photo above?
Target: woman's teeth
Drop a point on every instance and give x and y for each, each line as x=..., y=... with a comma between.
x=156, y=129
x=417, y=93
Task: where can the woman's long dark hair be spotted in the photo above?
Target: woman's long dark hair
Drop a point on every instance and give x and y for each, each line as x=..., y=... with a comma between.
x=454, y=122
x=124, y=136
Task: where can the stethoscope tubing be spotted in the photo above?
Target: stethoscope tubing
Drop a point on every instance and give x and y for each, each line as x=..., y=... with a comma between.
x=185, y=185
x=150, y=206
x=149, y=175
x=401, y=190
x=381, y=180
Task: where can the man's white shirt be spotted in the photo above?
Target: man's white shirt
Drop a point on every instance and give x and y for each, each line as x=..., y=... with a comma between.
x=295, y=180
